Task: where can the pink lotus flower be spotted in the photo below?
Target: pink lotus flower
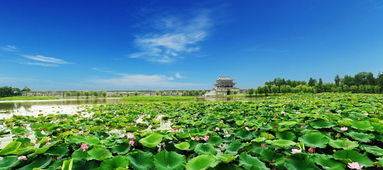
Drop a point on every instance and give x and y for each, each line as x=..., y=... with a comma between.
x=358, y=118
x=354, y=165
x=311, y=150
x=21, y=157
x=130, y=136
x=298, y=112
x=247, y=128
x=197, y=138
x=131, y=143
x=295, y=151
x=217, y=129
x=48, y=143
x=84, y=147
x=206, y=137
x=192, y=138
x=221, y=121
x=343, y=128
x=263, y=145
x=26, y=135
x=80, y=133
x=302, y=127
x=122, y=135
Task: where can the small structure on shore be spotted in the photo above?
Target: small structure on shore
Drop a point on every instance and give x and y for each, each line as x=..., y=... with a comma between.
x=224, y=86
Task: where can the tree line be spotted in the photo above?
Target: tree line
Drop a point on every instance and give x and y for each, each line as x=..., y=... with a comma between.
x=363, y=82
x=7, y=91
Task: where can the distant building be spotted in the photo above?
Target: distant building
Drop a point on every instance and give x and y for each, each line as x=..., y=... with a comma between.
x=224, y=86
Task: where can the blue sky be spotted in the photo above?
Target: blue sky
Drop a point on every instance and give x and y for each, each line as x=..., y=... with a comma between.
x=147, y=44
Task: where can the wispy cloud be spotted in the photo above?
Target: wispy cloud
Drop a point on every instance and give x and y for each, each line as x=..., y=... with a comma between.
x=143, y=81
x=9, y=48
x=173, y=38
x=44, y=61
x=178, y=75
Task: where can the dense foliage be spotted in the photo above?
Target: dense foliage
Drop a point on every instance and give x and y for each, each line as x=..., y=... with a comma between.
x=363, y=82
x=310, y=131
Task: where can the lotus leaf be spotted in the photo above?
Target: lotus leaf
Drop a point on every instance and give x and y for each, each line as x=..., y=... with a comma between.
x=314, y=139
x=165, y=160
x=152, y=140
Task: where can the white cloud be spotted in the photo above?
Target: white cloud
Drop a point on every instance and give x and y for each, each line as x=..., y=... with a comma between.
x=9, y=48
x=142, y=81
x=179, y=76
x=40, y=60
x=177, y=37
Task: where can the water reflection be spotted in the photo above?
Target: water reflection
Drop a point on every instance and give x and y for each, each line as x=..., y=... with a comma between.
x=63, y=106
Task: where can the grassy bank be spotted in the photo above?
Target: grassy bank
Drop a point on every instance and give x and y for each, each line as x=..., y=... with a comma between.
x=28, y=98
x=159, y=98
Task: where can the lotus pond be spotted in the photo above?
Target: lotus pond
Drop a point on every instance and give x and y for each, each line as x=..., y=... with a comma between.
x=323, y=131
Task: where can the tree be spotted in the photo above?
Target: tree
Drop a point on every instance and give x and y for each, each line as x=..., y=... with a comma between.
x=26, y=89
x=312, y=82
x=348, y=80
x=379, y=81
x=78, y=93
x=250, y=92
x=104, y=93
x=95, y=93
x=157, y=93
x=364, y=78
x=337, y=80
x=274, y=89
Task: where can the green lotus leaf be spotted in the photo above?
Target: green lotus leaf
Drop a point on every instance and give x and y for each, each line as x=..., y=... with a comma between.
x=353, y=156
x=8, y=162
x=40, y=162
x=141, y=160
x=59, y=150
x=115, y=162
x=314, y=139
x=85, y=165
x=79, y=154
x=250, y=162
x=90, y=140
x=244, y=135
x=67, y=165
x=287, y=135
x=10, y=148
x=99, y=153
x=363, y=137
x=215, y=140
x=201, y=162
x=234, y=147
x=272, y=157
x=182, y=146
x=259, y=139
x=281, y=143
x=268, y=136
x=301, y=163
x=205, y=148
x=378, y=126
x=19, y=131
x=152, y=140
x=226, y=158
x=327, y=162
x=377, y=151
x=362, y=125
x=380, y=161
x=121, y=148
x=319, y=124
x=165, y=160
x=343, y=144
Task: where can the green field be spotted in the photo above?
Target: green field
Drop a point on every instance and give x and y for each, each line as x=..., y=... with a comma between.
x=303, y=131
x=28, y=98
